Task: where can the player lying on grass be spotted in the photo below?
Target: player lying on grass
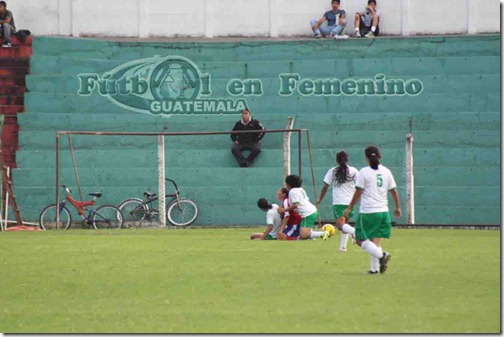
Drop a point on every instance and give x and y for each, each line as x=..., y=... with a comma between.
x=301, y=204
x=342, y=179
x=289, y=229
x=273, y=221
x=373, y=223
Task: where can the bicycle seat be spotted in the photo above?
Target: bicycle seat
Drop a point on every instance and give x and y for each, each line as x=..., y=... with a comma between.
x=149, y=195
x=96, y=194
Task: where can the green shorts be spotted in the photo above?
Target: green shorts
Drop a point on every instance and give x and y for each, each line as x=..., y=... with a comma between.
x=269, y=237
x=309, y=221
x=339, y=209
x=373, y=225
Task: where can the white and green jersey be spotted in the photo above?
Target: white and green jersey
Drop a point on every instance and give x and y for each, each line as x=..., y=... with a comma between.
x=376, y=184
x=304, y=206
x=341, y=194
x=273, y=219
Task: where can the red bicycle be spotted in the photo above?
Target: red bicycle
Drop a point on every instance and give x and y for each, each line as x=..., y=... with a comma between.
x=104, y=217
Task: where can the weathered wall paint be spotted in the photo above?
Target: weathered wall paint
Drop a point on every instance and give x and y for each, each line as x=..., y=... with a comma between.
x=456, y=124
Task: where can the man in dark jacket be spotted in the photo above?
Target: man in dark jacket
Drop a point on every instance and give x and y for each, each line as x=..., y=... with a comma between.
x=247, y=141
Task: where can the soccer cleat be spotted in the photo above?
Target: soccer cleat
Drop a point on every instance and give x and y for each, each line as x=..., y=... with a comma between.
x=326, y=236
x=370, y=34
x=370, y=272
x=317, y=36
x=357, y=34
x=342, y=250
x=384, y=261
x=6, y=45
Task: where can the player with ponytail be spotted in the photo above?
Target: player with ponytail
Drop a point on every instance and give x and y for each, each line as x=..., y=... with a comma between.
x=373, y=182
x=342, y=179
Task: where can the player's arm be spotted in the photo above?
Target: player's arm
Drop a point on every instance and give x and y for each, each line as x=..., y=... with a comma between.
x=356, y=196
x=284, y=223
x=342, y=19
x=260, y=127
x=322, y=193
x=395, y=196
x=8, y=20
x=234, y=137
x=319, y=22
x=266, y=232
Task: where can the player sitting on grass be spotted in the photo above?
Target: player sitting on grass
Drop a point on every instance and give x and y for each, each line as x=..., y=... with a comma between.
x=302, y=205
x=373, y=223
x=289, y=229
x=273, y=221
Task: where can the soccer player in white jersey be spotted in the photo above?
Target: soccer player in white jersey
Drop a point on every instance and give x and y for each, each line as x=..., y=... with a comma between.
x=373, y=223
x=342, y=179
x=301, y=204
x=273, y=221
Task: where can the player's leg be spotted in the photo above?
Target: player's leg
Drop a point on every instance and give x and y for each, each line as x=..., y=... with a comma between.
x=255, y=149
x=338, y=211
x=256, y=236
x=364, y=234
x=237, y=150
x=307, y=223
x=316, y=32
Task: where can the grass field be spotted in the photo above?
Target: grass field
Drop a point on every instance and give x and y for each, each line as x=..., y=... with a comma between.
x=217, y=280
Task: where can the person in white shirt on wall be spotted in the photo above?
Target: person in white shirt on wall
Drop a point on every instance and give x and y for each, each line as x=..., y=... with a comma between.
x=342, y=179
x=373, y=183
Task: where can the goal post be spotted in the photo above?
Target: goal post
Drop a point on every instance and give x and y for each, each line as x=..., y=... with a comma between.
x=159, y=139
x=410, y=181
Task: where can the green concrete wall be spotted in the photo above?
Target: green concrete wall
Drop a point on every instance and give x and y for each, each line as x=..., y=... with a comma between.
x=456, y=124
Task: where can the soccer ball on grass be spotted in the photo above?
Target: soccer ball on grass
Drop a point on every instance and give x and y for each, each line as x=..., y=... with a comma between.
x=329, y=228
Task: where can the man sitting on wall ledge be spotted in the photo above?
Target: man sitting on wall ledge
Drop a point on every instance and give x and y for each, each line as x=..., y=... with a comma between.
x=336, y=21
x=247, y=141
x=7, y=27
x=366, y=22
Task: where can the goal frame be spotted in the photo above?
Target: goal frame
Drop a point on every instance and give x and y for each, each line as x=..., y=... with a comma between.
x=160, y=141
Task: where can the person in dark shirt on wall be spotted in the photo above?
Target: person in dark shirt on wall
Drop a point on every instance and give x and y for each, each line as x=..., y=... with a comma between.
x=247, y=141
x=336, y=22
x=7, y=26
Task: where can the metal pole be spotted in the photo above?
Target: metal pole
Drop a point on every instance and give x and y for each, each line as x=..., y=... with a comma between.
x=161, y=182
x=313, y=174
x=7, y=199
x=287, y=148
x=57, y=179
x=300, y=142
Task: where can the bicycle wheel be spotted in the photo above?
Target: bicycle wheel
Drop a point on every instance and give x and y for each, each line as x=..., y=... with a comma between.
x=107, y=217
x=133, y=210
x=47, y=219
x=181, y=213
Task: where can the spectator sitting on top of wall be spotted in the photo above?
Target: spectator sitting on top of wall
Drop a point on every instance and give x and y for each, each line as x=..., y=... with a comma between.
x=366, y=22
x=7, y=27
x=336, y=22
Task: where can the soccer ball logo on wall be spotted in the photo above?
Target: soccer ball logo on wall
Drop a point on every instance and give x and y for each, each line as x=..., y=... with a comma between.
x=175, y=79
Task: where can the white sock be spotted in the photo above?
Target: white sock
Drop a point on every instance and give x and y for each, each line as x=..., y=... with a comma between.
x=372, y=249
x=357, y=29
x=347, y=229
x=374, y=264
x=316, y=234
x=343, y=241
x=373, y=29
